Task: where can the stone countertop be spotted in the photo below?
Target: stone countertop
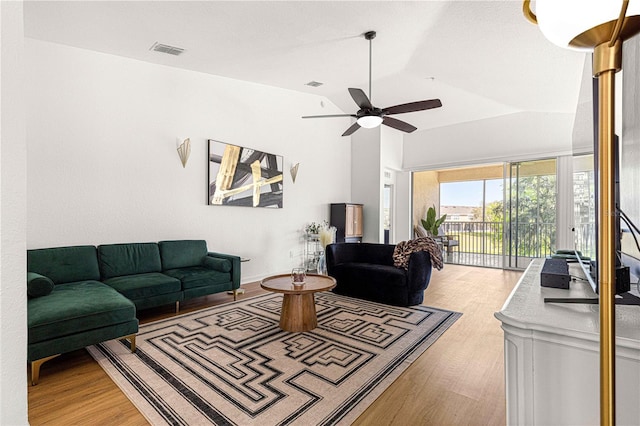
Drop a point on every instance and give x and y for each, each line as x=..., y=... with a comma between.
x=525, y=309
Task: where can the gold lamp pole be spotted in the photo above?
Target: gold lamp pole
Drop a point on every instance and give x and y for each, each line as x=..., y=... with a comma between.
x=606, y=41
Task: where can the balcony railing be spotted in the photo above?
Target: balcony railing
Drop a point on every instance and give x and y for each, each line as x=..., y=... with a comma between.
x=528, y=240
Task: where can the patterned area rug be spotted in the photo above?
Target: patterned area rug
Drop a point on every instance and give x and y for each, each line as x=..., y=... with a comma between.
x=231, y=364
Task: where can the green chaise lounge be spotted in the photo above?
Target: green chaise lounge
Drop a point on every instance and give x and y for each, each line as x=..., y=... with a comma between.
x=68, y=308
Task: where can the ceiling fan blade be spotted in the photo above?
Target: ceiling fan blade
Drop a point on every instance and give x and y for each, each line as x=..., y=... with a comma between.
x=355, y=126
x=329, y=116
x=361, y=99
x=412, y=106
x=397, y=124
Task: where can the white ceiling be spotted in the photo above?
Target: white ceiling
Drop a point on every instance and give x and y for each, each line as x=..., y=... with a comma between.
x=481, y=58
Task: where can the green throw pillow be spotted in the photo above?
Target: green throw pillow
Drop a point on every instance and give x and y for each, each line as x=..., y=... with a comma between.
x=222, y=265
x=38, y=285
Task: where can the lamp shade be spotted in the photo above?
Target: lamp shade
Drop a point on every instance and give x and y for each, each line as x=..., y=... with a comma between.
x=369, y=121
x=580, y=24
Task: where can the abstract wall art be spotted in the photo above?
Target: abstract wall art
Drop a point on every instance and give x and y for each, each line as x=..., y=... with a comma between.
x=241, y=176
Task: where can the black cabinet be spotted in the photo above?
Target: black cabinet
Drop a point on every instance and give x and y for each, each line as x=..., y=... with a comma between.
x=347, y=218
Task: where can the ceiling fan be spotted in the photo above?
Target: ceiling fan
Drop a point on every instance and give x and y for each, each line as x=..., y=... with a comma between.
x=369, y=116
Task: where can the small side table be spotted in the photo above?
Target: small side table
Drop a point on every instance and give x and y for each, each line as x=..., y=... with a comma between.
x=298, y=304
x=240, y=290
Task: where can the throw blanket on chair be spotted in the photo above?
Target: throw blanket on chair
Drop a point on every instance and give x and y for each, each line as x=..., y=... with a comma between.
x=403, y=251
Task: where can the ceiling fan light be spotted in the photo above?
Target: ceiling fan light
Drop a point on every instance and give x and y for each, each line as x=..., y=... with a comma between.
x=369, y=121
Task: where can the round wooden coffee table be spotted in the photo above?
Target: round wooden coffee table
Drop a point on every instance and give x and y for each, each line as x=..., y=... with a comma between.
x=298, y=305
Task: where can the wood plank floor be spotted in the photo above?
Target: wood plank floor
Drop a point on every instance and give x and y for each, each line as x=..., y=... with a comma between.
x=459, y=380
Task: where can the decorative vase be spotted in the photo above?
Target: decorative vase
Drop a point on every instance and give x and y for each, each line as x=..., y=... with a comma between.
x=298, y=276
x=322, y=265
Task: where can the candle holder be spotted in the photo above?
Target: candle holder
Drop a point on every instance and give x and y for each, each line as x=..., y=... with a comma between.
x=298, y=276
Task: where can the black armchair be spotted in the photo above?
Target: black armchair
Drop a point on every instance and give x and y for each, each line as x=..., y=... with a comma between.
x=366, y=271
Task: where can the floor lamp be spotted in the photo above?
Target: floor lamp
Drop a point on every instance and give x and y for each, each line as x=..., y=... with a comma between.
x=598, y=26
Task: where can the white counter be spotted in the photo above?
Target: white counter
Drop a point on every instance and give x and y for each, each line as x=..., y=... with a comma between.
x=551, y=355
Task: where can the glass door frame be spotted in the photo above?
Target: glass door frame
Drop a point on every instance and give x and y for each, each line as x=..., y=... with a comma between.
x=512, y=228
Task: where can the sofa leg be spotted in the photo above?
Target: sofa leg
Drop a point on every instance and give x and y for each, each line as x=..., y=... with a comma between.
x=35, y=368
x=132, y=342
x=236, y=292
x=177, y=307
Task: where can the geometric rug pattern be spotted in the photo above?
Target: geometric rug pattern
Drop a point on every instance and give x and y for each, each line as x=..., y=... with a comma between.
x=232, y=365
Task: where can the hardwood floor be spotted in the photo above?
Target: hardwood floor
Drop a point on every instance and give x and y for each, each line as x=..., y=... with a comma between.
x=459, y=380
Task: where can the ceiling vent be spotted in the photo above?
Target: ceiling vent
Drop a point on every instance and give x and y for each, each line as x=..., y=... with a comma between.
x=165, y=48
x=314, y=84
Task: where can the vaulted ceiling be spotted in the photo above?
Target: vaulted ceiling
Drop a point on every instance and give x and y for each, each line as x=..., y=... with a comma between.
x=481, y=58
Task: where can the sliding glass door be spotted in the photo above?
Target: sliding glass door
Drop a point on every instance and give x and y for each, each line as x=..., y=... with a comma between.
x=530, y=211
x=501, y=215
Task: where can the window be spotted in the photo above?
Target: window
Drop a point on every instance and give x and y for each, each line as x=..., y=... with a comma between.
x=472, y=201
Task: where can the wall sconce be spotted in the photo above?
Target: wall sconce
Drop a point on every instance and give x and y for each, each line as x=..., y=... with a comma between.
x=184, y=150
x=294, y=172
x=598, y=26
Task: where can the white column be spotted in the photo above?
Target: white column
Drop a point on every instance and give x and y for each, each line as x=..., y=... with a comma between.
x=366, y=181
x=403, y=218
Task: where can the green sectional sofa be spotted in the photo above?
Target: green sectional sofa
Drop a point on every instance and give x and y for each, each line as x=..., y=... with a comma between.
x=83, y=295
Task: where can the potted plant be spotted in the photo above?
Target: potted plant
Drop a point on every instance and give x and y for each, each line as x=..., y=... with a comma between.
x=314, y=228
x=431, y=224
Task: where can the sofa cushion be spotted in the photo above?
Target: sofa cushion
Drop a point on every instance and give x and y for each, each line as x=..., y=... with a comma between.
x=217, y=264
x=371, y=253
x=140, y=286
x=128, y=259
x=198, y=276
x=76, y=307
x=182, y=253
x=65, y=264
x=38, y=285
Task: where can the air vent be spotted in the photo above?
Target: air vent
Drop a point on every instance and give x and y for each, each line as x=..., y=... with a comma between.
x=164, y=48
x=314, y=84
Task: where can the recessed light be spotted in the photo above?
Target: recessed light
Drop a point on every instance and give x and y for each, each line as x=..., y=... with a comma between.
x=314, y=84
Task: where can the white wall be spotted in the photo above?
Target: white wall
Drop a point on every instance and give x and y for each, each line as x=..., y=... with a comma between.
x=630, y=162
x=512, y=137
x=390, y=148
x=13, y=294
x=403, y=220
x=366, y=184
x=582, y=135
x=103, y=167
x=391, y=160
x=374, y=151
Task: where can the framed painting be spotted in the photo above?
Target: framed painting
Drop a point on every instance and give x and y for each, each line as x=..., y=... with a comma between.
x=241, y=176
